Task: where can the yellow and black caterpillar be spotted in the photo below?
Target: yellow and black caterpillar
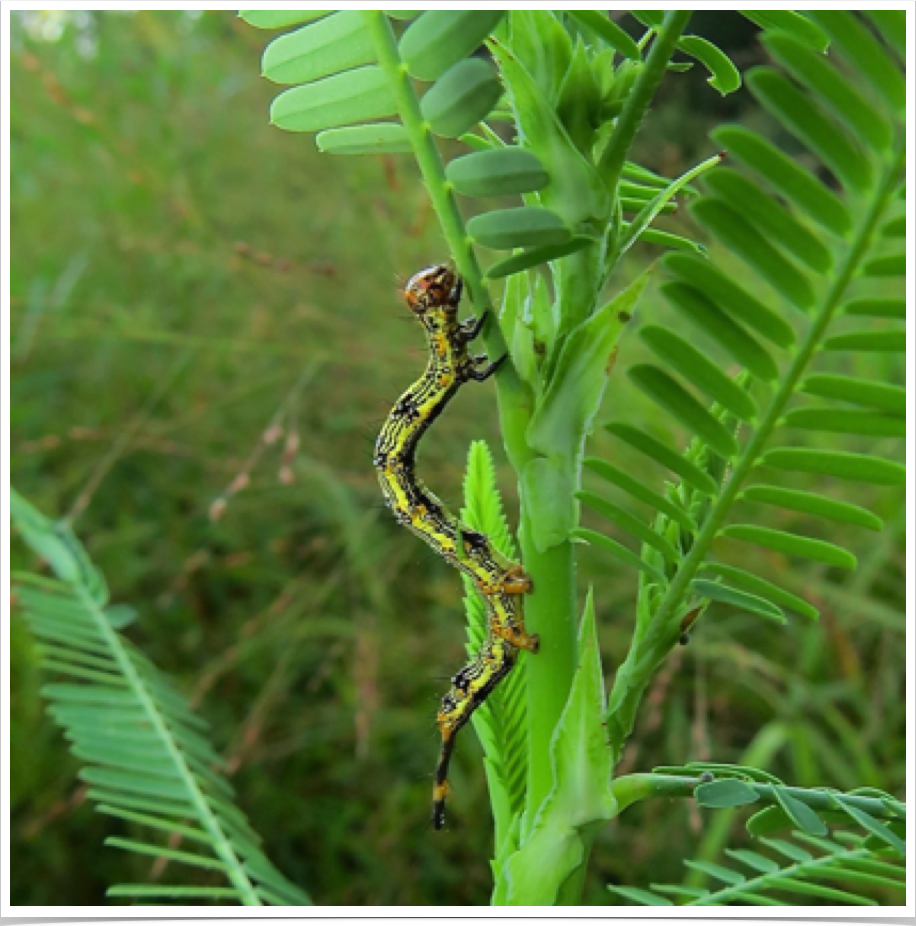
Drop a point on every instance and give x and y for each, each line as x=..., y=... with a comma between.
x=433, y=296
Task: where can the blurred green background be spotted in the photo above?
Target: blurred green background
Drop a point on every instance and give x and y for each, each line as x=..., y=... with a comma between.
x=206, y=334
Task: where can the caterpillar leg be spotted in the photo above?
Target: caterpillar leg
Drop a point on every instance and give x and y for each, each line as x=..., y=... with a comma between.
x=513, y=581
x=519, y=637
x=507, y=622
x=472, y=327
x=454, y=296
x=480, y=376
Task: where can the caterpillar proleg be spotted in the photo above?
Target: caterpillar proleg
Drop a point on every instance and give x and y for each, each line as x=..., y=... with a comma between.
x=433, y=296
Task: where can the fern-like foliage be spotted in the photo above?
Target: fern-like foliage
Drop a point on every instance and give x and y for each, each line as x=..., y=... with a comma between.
x=147, y=759
x=810, y=247
x=500, y=721
x=844, y=869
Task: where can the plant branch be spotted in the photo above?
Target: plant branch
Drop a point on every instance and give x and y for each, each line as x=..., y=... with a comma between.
x=640, y=97
x=628, y=789
x=440, y=191
x=662, y=634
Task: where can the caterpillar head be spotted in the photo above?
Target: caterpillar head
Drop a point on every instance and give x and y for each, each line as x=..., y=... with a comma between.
x=433, y=288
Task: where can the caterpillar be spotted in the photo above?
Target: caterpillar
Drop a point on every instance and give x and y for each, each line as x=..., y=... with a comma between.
x=433, y=296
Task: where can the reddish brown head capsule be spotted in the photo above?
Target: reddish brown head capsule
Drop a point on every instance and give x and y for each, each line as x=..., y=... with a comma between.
x=434, y=287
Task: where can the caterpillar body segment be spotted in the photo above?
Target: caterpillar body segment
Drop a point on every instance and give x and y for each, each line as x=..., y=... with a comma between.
x=470, y=688
x=433, y=296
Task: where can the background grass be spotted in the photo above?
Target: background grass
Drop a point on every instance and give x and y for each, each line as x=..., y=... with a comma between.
x=206, y=334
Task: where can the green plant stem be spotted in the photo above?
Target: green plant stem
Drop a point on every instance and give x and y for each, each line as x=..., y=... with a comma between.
x=551, y=612
x=662, y=633
x=628, y=789
x=759, y=754
x=440, y=190
x=637, y=103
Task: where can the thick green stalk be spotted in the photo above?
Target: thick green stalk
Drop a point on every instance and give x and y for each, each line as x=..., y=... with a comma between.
x=615, y=154
x=550, y=610
x=645, y=655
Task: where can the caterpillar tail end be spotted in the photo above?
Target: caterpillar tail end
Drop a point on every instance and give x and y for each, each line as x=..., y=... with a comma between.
x=441, y=787
x=440, y=793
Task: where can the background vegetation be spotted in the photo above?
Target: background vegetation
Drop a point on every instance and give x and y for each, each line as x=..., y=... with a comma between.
x=206, y=333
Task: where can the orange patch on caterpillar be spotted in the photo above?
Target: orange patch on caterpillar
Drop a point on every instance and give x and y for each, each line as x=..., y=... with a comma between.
x=519, y=638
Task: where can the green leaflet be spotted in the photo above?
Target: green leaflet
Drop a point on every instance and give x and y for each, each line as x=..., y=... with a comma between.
x=497, y=172
x=893, y=341
x=635, y=488
x=841, y=96
x=461, y=97
x=564, y=414
x=699, y=370
x=845, y=421
x=886, y=265
x=742, y=600
x=334, y=44
x=676, y=400
x=730, y=298
x=377, y=138
x=619, y=551
x=773, y=220
x=815, y=504
x=664, y=456
x=792, y=545
x=630, y=523
x=876, y=308
x=733, y=338
x=724, y=75
x=524, y=260
x=524, y=227
x=580, y=799
x=786, y=176
x=728, y=223
x=792, y=23
x=442, y=38
x=865, y=55
x=800, y=813
x=857, y=467
x=726, y=792
x=354, y=96
x=805, y=120
x=280, y=19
